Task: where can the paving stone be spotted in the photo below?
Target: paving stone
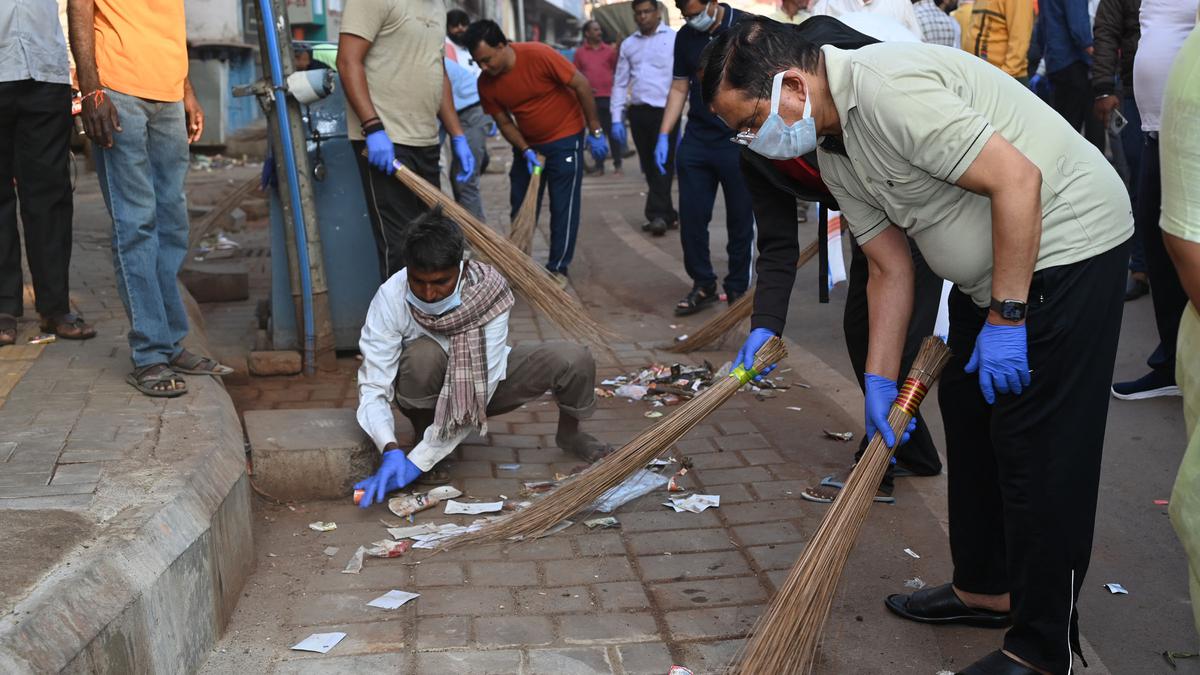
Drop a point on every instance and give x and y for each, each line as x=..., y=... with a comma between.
x=712, y=657
x=756, y=457
x=747, y=474
x=329, y=664
x=742, y=442
x=768, y=533
x=732, y=494
x=576, y=661
x=586, y=571
x=608, y=628
x=543, y=600
x=667, y=519
x=680, y=541
x=463, y=600
x=506, y=662
x=471, y=469
x=510, y=441
x=692, y=446
x=76, y=474
x=737, y=426
x=363, y=638
x=502, y=573
x=713, y=622
x=436, y=572
x=776, y=556
x=762, y=511
x=716, y=460
x=24, y=479
x=651, y=658
x=781, y=489
x=600, y=543
x=43, y=490
x=513, y=631
x=547, y=548
x=545, y=455
x=443, y=632
x=318, y=609
x=692, y=565
x=488, y=488
x=711, y=592
x=622, y=595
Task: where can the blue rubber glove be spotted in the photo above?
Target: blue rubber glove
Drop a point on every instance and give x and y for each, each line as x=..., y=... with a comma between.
x=380, y=152
x=661, y=151
x=531, y=160
x=394, y=473
x=745, y=356
x=598, y=147
x=1001, y=357
x=267, y=180
x=618, y=132
x=880, y=394
x=465, y=157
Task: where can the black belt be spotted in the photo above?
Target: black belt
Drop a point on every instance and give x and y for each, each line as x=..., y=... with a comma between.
x=473, y=105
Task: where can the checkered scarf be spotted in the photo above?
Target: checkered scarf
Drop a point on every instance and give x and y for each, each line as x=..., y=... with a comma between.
x=462, y=403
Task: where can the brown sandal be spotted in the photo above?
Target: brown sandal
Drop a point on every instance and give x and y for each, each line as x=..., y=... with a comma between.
x=148, y=379
x=69, y=326
x=194, y=364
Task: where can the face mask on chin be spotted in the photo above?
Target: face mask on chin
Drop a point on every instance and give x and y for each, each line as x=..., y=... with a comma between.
x=703, y=21
x=778, y=140
x=442, y=306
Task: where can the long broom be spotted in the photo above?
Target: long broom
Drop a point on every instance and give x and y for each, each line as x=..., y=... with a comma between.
x=786, y=637
x=611, y=471
x=736, y=313
x=521, y=231
x=522, y=272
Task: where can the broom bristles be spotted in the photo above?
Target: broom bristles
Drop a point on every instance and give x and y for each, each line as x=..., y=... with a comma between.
x=522, y=273
x=585, y=489
x=521, y=231
x=785, y=639
x=738, y=312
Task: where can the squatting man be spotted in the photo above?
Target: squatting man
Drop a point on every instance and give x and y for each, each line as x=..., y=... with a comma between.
x=435, y=341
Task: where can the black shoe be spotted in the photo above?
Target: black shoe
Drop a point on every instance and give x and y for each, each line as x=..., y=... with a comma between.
x=733, y=296
x=997, y=663
x=1151, y=385
x=696, y=300
x=941, y=605
x=657, y=227
x=1136, y=287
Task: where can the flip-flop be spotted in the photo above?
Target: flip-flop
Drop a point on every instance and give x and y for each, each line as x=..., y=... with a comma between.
x=941, y=605
x=808, y=496
x=833, y=482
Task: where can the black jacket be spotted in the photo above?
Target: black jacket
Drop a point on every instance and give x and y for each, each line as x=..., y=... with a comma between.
x=1115, y=35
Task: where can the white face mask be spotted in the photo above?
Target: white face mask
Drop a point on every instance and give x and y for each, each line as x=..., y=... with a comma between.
x=776, y=139
x=702, y=21
x=442, y=306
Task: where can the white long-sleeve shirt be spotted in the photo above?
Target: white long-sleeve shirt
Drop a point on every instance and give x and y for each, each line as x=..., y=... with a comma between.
x=900, y=10
x=388, y=328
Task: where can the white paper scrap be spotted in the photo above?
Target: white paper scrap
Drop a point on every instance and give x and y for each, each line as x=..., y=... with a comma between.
x=356, y=561
x=1116, y=589
x=393, y=599
x=796, y=408
x=453, y=507
x=320, y=643
x=320, y=526
x=911, y=552
x=331, y=551
x=410, y=532
x=694, y=503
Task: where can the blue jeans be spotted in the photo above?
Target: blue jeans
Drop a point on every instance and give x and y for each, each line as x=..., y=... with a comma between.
x=141, y=177
x=563, y=173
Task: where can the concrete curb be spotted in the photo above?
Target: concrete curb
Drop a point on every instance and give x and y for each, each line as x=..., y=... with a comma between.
x=152, y=591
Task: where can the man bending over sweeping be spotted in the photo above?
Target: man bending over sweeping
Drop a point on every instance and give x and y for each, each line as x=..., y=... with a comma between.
x=436, y=341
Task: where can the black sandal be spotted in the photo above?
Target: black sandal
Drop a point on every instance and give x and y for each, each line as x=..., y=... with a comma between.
x=696, y=300
x=146, y=378
x=941, y=605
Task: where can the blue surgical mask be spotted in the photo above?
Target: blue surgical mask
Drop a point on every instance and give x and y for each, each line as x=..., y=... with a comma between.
x=776, y=139
x=442, y=306
x=702, y=21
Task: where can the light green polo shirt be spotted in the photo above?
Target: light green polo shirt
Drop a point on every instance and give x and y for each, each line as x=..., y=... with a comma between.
x=915, y=116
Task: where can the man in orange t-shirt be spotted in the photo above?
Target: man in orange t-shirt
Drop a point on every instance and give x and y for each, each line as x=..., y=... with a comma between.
x=140, y=112
x=540, y=103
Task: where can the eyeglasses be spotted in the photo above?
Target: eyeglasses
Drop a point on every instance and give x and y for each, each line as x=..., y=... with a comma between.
x=744, y=137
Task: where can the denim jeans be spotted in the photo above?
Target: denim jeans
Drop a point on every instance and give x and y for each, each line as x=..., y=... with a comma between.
x=141, y=177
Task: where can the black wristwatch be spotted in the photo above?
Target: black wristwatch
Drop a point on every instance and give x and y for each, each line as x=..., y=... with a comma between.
x=1010, y=310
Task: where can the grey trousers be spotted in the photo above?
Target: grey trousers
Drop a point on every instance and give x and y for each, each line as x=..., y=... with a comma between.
x=565, y=368
x=475, y=124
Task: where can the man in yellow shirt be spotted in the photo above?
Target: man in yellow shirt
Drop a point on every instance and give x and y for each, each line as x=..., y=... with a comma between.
x=999, y=32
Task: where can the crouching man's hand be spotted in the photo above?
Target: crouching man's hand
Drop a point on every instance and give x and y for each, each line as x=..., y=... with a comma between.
x=395, y=472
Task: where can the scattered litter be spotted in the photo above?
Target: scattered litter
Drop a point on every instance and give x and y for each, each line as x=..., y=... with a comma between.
x=681, y=338
x=915, y=582
x=1170, y=657
x=444, y=532
x=43, y=339
x=331, y=551
x=839, y=435
x=454, y=508
x=640, y=483
x=635, y=392
x=388, y=548
x=604, y=393
x=1161, y=502
x=679, y=670
x=321, y=526
x=508, y=467
x=354, y=566
x=444, y=492
x=408, y=532
x=911, y=553
x=358, y=495
x=602, y=523
x=653, y=413
x=801, y=384
x=556, y=529
x=393, y=599
x=406, y=505
x=693, y=503
x=673, y=485
x=663, y=385
x=1116, y=589
x=796, y=408
x=660, y=462
x=272, y=555
x=537, y=487
x=320, y=643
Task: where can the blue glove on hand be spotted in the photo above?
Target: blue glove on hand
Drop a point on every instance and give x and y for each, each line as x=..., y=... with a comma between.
x=394, y=473
x=661, y=151
x=492, y=130
x=463, y=152
x=531, y=161
x=1001, y=357
x=380, y=152
x=598, y=147
x=745, y=356
x=618, y=132
x=880, y=394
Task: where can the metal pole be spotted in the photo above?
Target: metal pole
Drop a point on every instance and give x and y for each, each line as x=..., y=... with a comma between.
x=520, y=20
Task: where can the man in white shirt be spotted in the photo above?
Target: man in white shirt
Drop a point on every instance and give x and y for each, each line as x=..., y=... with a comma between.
x=435, y=342
x=900, y=10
